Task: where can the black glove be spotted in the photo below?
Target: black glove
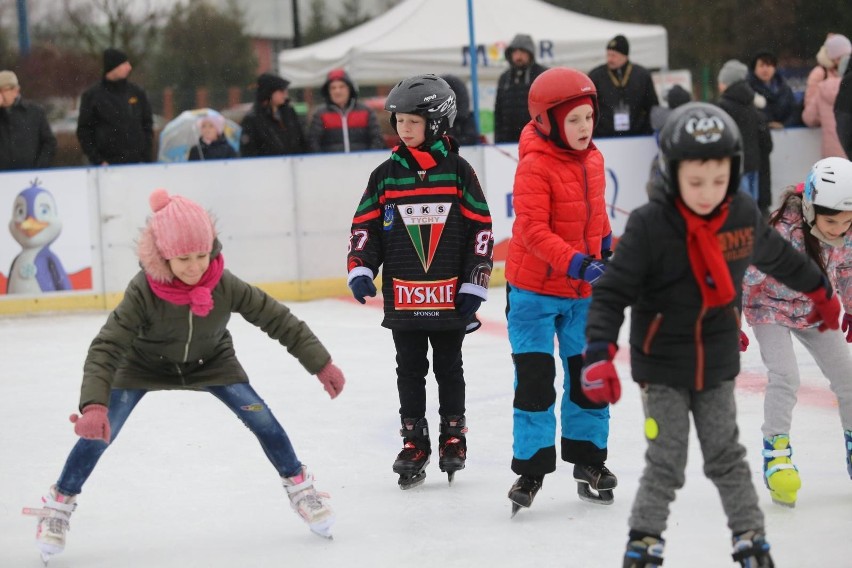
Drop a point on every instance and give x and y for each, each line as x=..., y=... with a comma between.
x=361, y=287
x=467, y=304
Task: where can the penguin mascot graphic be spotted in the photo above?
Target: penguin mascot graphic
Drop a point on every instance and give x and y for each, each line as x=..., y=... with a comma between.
x=35, y=225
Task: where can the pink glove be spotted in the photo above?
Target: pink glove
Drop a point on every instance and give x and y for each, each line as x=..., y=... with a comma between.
x=743, y=341
x=599, y=379
x=93, y=424
x=846, y=326
x=332, y=379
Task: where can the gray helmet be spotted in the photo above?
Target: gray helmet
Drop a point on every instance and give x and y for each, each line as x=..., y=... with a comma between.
x=428, y=96
x=699, y=131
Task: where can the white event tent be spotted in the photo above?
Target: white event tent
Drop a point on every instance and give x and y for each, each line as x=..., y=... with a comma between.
x=432, y=36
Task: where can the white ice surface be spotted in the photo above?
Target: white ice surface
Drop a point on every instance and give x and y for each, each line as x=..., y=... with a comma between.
x=186, y=485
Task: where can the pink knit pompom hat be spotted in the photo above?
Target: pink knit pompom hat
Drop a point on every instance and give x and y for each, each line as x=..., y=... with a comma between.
x=178, y=227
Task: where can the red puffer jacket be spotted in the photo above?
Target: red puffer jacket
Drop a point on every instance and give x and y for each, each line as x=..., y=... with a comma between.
x=559, y=211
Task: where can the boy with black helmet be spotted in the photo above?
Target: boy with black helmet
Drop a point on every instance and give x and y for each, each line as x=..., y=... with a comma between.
x=561, y=239
x=424, y=220
x=678, y=266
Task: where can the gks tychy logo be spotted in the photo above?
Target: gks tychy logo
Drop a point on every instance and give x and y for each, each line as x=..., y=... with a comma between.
x=425, y=223
x=706, y=129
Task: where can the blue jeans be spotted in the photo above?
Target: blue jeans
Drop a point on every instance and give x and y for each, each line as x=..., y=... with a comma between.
x=749, y=184
x=240, y=398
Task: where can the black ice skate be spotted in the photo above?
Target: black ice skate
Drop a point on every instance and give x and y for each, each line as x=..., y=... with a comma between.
x=751, y=550
x=452, y=445
x=524, y=491
x=595, y=483
x=411, y=462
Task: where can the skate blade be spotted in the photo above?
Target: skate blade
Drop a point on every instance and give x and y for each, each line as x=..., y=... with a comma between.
x=601, y=497
x=412, y=482
x=784, y=499
x=45, y=558
x=450, y=476
x=515, y=509
x=323, y=528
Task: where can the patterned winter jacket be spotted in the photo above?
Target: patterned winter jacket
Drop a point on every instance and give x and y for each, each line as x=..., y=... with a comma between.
x=424, y=220
x=560, y=211
x=674, y=338
x=767, y=301
x=149, y=343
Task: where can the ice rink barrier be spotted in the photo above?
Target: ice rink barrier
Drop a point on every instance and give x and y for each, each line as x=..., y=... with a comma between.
x=284, y=222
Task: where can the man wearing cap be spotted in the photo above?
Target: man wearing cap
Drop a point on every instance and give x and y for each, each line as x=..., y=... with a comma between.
x=271, y=127
x=116, y=124
x=26, y=141
x=511, y=111
x=626, y=93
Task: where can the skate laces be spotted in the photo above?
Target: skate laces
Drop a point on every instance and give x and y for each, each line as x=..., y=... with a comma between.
x=410, y=451
x=452, y=448
x=304, y=498
x=58, y=509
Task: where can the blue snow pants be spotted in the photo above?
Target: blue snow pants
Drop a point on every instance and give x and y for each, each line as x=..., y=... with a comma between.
x=241, y=398
x=534, y=321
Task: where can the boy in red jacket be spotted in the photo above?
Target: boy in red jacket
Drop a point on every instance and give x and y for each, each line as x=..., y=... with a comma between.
x=560, y=240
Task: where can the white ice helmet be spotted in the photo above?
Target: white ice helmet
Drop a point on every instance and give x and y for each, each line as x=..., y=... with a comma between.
x=829, y=185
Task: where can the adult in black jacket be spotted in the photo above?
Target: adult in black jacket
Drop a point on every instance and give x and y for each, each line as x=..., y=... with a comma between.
x=843, y=111
x=626, y=93
x=116, y=125
x=271, y=128
x=738, y=99
x=26, y=141
x=511, y=112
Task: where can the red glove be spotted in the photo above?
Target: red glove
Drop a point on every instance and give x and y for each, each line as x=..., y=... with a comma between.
x=846, y=327
x=599, y=379
x=826, y=307
x=93, y=424
x=743, y=341
x=332, y=379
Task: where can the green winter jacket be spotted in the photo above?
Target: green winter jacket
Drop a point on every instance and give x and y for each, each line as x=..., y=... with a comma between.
x=149, y=343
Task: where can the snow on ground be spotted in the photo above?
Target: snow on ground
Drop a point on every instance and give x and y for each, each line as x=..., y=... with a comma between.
x=186, y=485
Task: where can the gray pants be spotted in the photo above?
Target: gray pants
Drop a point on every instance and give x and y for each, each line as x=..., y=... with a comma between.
x=715, y=415
x=831, y=353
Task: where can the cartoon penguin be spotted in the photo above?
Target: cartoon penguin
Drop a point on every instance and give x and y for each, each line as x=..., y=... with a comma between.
x=35, y=225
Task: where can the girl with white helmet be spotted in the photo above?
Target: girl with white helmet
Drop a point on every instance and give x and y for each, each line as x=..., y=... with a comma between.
x=816, y=218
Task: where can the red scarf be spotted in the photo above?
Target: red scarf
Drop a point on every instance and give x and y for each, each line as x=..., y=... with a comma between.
x=705, y=255
x=199, y=296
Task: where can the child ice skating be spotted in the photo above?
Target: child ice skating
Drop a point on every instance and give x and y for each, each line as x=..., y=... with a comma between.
x=817, y=222
x=170, y=332
x=561, y=239
x=423, y=220
x=678, y=266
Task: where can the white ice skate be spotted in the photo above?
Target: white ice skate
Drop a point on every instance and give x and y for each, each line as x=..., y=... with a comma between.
x=53, y=522
x=308, y=503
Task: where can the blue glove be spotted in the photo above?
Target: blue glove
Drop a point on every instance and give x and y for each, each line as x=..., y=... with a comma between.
x=361, y=287
x=584, y=267
x=467, y=304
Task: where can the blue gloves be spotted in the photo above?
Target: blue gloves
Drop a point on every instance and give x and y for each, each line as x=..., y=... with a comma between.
x=584, y=267
x=467, y=304
x=361, y=287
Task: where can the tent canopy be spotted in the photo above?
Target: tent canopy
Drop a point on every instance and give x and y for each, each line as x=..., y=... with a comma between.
x=432, y=36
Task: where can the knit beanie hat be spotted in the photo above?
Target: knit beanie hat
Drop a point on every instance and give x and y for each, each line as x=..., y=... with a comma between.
x=178, y=227
x=732, y=71
x=677, y=96
x=561, y=110
x=837, y=46
x=113, y=58
x=216, y=120
x=620, y=44
x=8, y=79
x=267, y=83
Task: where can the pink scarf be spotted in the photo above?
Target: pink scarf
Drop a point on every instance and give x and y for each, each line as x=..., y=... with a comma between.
x=199, y=297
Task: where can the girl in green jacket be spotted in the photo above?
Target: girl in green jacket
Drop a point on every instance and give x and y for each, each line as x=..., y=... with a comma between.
x=170, y=332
